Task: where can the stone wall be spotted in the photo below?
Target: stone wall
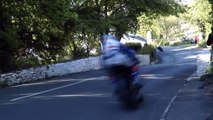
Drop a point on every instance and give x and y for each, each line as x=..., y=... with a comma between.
x=59, y=69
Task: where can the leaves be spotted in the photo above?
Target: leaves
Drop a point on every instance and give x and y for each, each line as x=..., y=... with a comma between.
x=43, y=29
x=199, y=14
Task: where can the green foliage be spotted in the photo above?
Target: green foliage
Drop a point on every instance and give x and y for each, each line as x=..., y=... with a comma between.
x=162, y=42
x=211, y=13
x=210, y=69
x=32, y=28
x=170, y=27
x=23, y=63
x=151, y=50
x=202, y=44
x=207, y=78
x=136, y=46
x=120, y=16
x=3, y=83
x=199, y=14
x=50, y=31
x=177, y=43
x=200, y=11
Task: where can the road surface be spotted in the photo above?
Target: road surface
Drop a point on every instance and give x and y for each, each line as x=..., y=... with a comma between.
x=88, y=95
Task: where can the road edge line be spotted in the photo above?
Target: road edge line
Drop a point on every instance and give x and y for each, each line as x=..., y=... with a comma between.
x=163, y=117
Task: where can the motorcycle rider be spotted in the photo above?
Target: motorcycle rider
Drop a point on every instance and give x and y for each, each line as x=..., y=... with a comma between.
x=117, y=58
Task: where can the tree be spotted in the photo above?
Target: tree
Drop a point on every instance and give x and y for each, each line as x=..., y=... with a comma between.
x=166, y=28
x=43, y=30
x=121, y=16
x=32, y=29
x=170, y=27
x=199, y=14
x=211, y=13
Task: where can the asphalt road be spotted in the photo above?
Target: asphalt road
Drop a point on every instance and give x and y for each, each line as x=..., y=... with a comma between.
x=88, y=95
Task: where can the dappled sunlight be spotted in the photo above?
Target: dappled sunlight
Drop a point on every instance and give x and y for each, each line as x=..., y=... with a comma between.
x=157, y=96
x=179, y=48
x=23, y=94
x=96, y=78
x=153, y=94
x=210, y=94
x=155, y=76
x=45, y=82
x=60, y=96
x=185, y=53
x=191, y=57
x=190, y=96
x=74, y=95
x=62, y=81
x=10, y=103
x=59, y=87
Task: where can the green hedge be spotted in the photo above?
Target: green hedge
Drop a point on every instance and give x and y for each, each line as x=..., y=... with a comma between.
x=202, y=44
x=151, y=50
x=136, y=46
x=146, y=49
x=25, y=63
x=207, y=78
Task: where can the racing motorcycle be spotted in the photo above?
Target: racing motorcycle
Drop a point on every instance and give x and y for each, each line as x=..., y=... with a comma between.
x=127, y=86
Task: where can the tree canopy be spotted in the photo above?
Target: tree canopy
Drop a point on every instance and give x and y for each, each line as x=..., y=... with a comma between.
x=198, y=14
x=120, y=16
x=44, y=32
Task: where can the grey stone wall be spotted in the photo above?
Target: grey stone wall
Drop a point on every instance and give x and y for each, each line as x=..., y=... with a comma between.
x=59, y=69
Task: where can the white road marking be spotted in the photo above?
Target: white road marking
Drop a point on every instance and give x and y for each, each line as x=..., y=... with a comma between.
x=53, y=89
x=163, y=117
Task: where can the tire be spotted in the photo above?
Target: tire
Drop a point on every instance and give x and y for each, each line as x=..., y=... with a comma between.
x=135, y=98
x=122, y=89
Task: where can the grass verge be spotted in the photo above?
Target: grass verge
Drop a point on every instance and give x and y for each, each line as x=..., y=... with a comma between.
x=207, y=78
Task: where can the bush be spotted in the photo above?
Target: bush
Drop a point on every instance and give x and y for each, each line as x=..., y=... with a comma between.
x=207, y=78
x=151, y=50
x=79, y=53
x=3, y=83
x=162, y=42
x=24, y=63
x=184, y=43
x=208, y=72
x=136, y=46
x=177, y=43
x=146, y=49
x=202, y=44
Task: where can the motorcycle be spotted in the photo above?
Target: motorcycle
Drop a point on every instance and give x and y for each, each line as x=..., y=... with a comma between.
x=127, y=87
